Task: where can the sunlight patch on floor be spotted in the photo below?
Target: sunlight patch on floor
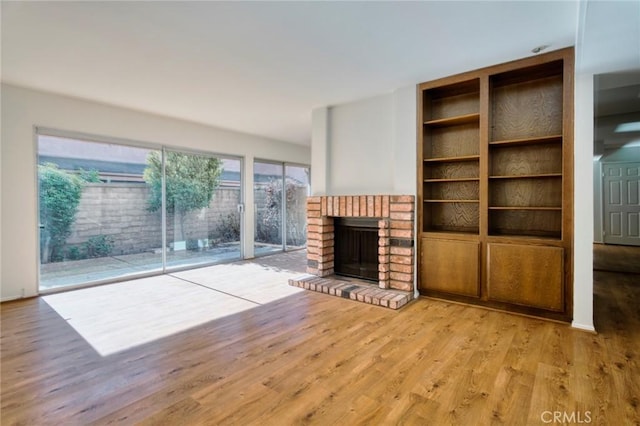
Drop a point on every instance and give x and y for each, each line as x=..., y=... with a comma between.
x=249, y=281
x=116, y=317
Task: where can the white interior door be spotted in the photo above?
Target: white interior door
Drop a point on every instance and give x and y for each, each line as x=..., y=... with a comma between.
x=621, y=203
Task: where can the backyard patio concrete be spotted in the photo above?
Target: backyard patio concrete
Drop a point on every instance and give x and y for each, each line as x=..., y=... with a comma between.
x=77, y=272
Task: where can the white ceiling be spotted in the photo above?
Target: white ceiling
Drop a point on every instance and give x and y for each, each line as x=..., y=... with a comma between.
x=261, y=67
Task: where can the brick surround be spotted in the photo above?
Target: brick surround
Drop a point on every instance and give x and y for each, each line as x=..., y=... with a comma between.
x=396, y=251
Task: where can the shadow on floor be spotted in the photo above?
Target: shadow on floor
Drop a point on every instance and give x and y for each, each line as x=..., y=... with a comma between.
x=614, y=258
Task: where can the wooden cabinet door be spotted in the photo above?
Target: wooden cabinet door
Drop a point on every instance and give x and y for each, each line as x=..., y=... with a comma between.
x=450, y=266
x=526, y=275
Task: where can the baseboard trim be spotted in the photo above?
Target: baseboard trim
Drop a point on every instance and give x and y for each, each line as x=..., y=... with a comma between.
x=584, y=327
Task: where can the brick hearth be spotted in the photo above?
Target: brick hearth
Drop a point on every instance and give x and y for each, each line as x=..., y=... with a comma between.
x=354, y=290
x=395, y=214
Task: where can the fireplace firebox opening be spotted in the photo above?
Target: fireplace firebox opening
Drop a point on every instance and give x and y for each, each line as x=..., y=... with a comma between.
x=356, y=247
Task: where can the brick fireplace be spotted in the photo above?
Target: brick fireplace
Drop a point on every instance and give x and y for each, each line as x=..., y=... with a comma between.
x=395, y=219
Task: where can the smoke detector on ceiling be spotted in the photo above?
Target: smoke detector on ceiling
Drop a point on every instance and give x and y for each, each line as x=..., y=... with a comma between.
x=539, y=49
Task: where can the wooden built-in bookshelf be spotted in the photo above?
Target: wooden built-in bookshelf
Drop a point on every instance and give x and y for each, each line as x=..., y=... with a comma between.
x=495, y=178
x=451, y=156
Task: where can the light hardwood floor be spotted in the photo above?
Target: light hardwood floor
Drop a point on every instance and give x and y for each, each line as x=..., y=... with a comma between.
x=316, y=359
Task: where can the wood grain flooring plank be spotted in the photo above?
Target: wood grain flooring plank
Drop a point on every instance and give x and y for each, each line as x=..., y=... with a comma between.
x=311, y=358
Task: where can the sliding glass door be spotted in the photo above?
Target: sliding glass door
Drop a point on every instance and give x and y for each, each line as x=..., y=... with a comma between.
x=280, y=193
x=109, y=211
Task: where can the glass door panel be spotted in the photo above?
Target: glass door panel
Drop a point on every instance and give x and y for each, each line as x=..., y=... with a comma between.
x=267, y=194
x=297, y=181
x=227, y=217
x=202, y=217
x=94, y=220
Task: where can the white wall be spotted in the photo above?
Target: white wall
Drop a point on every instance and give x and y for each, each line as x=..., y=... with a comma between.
x=24, y=109
x=630, y=154
x=319, y=140
x=366, y=147
x=583, y=203
x=360, y=147
x=404, y=141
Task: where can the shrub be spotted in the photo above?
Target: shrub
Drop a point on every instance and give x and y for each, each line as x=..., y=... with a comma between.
x=192, y=244
x=59, y=194
x=76, y=253
x=269, y=220
x=190, y=182
x=228, y=228
x=90, y=176
x=99, y=246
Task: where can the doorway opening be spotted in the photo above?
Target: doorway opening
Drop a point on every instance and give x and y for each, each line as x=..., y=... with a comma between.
x=617, y=158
